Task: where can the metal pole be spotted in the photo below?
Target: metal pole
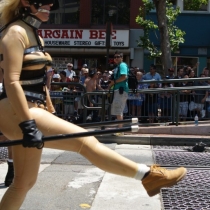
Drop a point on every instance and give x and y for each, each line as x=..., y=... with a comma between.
x=113, y=122
x=107, y=58
x=133, y=128
x=108, y=44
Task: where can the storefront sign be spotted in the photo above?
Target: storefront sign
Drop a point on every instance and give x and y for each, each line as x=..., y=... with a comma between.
x=83, y=38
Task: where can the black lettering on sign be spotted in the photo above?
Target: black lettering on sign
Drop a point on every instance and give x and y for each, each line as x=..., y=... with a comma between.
x=100, y=43
x=47, y=42
x=82, y=43
x=119, y=44
x=55, y=43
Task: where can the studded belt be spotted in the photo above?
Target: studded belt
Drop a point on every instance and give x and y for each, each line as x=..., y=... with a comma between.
x=32, y=81
x=36, y=96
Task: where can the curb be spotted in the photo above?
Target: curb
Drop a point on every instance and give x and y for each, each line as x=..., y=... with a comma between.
x=167, y=140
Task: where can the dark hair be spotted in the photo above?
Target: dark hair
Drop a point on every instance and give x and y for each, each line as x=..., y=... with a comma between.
x=153, y=66
x=178, y=70
x=92, y=72
x=77, y=77
x=63, y=73
x=190, y=71
x=118, y=53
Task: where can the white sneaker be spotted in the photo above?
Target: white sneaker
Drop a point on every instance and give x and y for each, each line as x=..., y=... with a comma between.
x=89, y=117
x=203, y=112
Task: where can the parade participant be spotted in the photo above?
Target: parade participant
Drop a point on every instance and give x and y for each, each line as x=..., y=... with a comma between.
x=23, y=109
x=10, y=171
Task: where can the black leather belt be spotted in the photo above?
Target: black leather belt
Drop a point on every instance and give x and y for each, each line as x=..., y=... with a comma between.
x=37, y=96
x=32, y=81
x=31, y=50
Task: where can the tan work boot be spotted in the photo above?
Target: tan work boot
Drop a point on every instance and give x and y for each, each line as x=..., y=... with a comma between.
x=160, y=177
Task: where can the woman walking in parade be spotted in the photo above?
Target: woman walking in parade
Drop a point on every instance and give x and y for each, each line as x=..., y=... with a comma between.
x=26, y=110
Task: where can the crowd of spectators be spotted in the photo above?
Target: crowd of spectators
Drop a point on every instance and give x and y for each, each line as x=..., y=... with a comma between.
x=145, y=106
x=191, y=102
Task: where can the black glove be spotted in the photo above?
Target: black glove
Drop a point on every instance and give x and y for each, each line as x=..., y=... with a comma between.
x=32, y=136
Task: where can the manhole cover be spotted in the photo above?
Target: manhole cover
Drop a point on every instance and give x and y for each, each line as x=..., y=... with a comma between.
x=186, y=199
x=181, y=158
x=159, y=147
x=3, y=153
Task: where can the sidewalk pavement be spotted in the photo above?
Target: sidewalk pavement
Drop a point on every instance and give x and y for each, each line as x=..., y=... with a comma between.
x=67, y=181
x=113, y=192
x=189, y=129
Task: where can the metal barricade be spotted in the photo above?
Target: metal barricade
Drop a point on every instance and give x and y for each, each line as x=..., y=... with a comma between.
x=156, y=105
x=67, y=101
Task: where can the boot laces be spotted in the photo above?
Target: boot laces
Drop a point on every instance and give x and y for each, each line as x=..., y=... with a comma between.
x=157, y=167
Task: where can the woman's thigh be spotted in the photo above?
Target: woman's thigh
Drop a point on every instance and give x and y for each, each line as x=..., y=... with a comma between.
x=26, y=160
x=48, y=123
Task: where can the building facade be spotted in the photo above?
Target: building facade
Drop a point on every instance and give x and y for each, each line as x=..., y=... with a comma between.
x=196, y=48
x=77, y=33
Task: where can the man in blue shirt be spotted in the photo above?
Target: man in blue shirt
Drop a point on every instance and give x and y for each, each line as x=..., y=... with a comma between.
x=152, y=75
x=120, y=86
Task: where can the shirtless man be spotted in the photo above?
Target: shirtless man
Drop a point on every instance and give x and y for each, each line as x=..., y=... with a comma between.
x=91, y=86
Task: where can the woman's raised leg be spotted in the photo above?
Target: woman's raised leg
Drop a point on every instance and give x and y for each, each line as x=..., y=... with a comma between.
x=153, y=178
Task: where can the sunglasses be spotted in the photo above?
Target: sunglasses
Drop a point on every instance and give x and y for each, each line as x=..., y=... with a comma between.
x=117, y=56
x=69, y=66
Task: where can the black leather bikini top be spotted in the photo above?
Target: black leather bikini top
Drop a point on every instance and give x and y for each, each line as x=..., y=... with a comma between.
x=32, y=81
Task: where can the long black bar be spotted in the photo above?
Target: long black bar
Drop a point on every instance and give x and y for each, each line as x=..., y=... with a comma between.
x=132, y=120
x=85, y=125
x=133, y=128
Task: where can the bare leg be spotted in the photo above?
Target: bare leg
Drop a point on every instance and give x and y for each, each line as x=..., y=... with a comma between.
x=120, y=117
x=26, y=164
x=26, y=161
x=133, y=110
x=10, y=171
x=139, y=111
x=9, y=152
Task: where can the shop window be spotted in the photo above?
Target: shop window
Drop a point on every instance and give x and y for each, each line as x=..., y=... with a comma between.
x=116, y=11
x=187, y=7
x=177, y=62
x=71, y=12
x=60, y=63
x=68, y=13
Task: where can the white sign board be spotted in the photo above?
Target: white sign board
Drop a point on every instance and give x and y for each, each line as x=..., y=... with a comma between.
x=83, y=37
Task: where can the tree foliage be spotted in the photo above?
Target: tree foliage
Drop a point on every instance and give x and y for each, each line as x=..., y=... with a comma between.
x=194, y=4
x=176, y=36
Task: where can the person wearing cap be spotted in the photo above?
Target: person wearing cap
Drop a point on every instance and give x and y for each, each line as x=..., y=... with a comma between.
x=69, y=72
x=56, y=89
x=25, y=115
x=120, y=88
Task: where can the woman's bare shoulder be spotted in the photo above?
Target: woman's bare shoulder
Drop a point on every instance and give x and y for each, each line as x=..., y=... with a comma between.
x=16, y=32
